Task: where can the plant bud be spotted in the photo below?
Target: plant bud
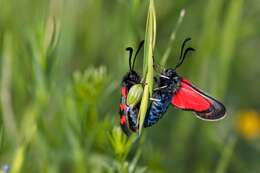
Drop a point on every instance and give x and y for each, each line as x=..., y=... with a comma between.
x=134, y=95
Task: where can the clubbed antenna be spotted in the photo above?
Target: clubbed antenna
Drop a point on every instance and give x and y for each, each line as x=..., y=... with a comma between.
x=183, y=55
x=130, y=56
x=138, y=50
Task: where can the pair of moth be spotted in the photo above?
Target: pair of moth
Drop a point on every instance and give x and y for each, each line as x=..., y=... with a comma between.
x=170, y=89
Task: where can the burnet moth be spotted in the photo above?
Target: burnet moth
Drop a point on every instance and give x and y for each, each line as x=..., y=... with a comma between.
x=128, y=114
x=182, y=94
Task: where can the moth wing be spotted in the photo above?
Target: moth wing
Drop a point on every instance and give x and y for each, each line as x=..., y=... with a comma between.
x=189, y=97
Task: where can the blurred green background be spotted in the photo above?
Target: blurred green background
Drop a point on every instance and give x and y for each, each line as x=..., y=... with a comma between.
x=61, y=64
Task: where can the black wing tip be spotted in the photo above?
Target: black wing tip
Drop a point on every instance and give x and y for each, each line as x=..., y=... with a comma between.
x=216, y=113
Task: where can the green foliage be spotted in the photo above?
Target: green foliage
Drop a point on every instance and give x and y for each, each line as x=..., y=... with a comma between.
x=148, y=71
x=61, y=66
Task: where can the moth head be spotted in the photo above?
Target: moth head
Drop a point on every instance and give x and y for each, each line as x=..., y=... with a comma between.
x=131, y=78
x=170, y=73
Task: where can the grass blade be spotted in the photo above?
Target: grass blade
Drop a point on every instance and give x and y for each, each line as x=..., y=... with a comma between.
x=226, y=155
x=172, y=38
x=150, y=36
x=6, y=97
x=229, y=36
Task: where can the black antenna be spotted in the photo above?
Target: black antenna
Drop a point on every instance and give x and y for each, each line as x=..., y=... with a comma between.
x=182, y=47
x=138, y=50
x=130, y=56
x=182, y=56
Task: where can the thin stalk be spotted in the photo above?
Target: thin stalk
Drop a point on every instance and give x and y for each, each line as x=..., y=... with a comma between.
x=150, y=36
x=226, y=155
x=18, y=159
x=6, y=101
x=227, y=47
x=172, y=38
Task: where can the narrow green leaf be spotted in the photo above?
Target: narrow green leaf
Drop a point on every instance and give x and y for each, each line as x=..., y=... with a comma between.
x=227, y=47
x=150, y=36
x=143, y=108
x=226, y=155
x=18, y=159
x=172, y=38
x=8, y=114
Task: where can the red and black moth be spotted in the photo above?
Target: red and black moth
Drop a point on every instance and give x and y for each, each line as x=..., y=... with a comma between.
x=128, y=115
x=182, y=94
x=171, y=89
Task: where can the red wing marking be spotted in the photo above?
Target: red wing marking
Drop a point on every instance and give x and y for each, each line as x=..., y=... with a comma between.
x=123, y=107
x=124, y=91
x=123, y=120
x=188, y=97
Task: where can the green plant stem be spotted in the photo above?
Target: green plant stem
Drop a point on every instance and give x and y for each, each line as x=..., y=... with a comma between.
x=226, y=155
x=230, y=33
x=150, y=36
x=172, y=38
x=6, y=102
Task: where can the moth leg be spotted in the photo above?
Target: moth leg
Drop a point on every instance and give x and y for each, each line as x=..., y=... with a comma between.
x=154, y=99
x=155, y=89
x=163, y=76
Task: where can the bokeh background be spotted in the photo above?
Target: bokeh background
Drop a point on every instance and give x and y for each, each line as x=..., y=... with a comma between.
x=60, y=71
